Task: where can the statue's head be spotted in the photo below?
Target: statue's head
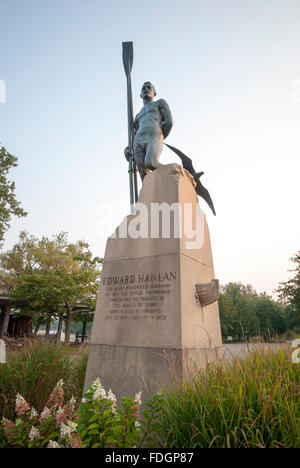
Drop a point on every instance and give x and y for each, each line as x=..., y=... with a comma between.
x=148, y=91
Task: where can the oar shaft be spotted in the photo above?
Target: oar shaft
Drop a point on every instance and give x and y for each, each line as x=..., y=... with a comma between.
x=130, y=144
x=130, y=137
x=130, y=114
x=127, y=61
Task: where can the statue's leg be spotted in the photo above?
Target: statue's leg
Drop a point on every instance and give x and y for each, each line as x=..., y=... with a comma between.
x=139, y=156
x=154, y=149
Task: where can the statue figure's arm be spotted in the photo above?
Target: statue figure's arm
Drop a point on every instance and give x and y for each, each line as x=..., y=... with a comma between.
x=135, y=129
x=136, y=125
x=167, y=122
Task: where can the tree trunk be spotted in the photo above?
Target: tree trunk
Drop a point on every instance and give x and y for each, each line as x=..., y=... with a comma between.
x=5, y=319
x=48, y=327
x=83, y=331
x=68, y=322
x=13, y=329
x=36, y=330
x=59, y=329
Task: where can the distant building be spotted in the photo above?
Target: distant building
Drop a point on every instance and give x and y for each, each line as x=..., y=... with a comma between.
x=13, y=326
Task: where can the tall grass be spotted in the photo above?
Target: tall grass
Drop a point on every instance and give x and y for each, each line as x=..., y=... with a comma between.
x=34, y=371
x=253, y=402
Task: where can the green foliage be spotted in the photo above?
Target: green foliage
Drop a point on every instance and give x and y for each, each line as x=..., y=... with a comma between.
x=228, y=315
x=20, y=435
x=50, y=277
x=54, y=427
x=97, y=422
x=252, y=403
x=245, y=314
x=8, y=204
x=2, y=437
x=78, y=371
x=149, y=423
x=102, y=425
x=33, y=372
x=243, y=299
x=31, y=255
x=289, y=292
x=271, y=316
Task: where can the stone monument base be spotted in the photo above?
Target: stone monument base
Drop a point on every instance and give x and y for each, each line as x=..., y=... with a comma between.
x=149, y=324
x=128, y=370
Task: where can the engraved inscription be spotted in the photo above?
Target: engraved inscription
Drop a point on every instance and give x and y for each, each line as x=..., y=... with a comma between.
x=138, y=297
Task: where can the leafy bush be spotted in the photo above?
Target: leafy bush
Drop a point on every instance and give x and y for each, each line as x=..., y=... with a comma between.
x=253, y=402
x=97, y=422
x=102, y=425
x=78, y=371
x=33, y=372
x=54, y=427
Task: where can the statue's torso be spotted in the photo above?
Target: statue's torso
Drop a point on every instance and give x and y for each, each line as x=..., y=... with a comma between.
x=149, y=120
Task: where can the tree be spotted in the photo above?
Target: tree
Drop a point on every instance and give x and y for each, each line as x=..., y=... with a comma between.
x=51, y=275
x=8, y=204
x=41, y=292
x=271, y=316
x=246, y=314
x=30, y=255
x=228, y=316
x=243, y=302
x=289, y=293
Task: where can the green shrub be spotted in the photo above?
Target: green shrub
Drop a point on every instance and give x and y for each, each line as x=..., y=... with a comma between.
x=78, y=374
x=255, y=402
x=97, y=423
x=101, y=424
x=34, y=371
x=252, y=402
x=54, y=427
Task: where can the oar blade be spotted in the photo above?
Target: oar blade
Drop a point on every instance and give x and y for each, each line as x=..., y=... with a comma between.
x=127, y=56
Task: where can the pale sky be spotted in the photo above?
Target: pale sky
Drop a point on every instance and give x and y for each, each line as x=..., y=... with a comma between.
x=230, y=72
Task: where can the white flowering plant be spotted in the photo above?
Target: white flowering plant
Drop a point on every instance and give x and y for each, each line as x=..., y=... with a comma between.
x=101, y=424
x=96, y=423
x=54, y=427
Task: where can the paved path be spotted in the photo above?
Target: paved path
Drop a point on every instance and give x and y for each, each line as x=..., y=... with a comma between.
x=241, y=350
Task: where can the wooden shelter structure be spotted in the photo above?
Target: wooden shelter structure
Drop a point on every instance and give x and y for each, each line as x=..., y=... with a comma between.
x=22, y=325
x=19, y=326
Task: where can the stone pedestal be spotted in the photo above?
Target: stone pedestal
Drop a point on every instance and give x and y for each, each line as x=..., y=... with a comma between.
x=148, y=324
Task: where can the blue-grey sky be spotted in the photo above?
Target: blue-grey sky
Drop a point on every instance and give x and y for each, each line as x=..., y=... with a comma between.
x=230, y=71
